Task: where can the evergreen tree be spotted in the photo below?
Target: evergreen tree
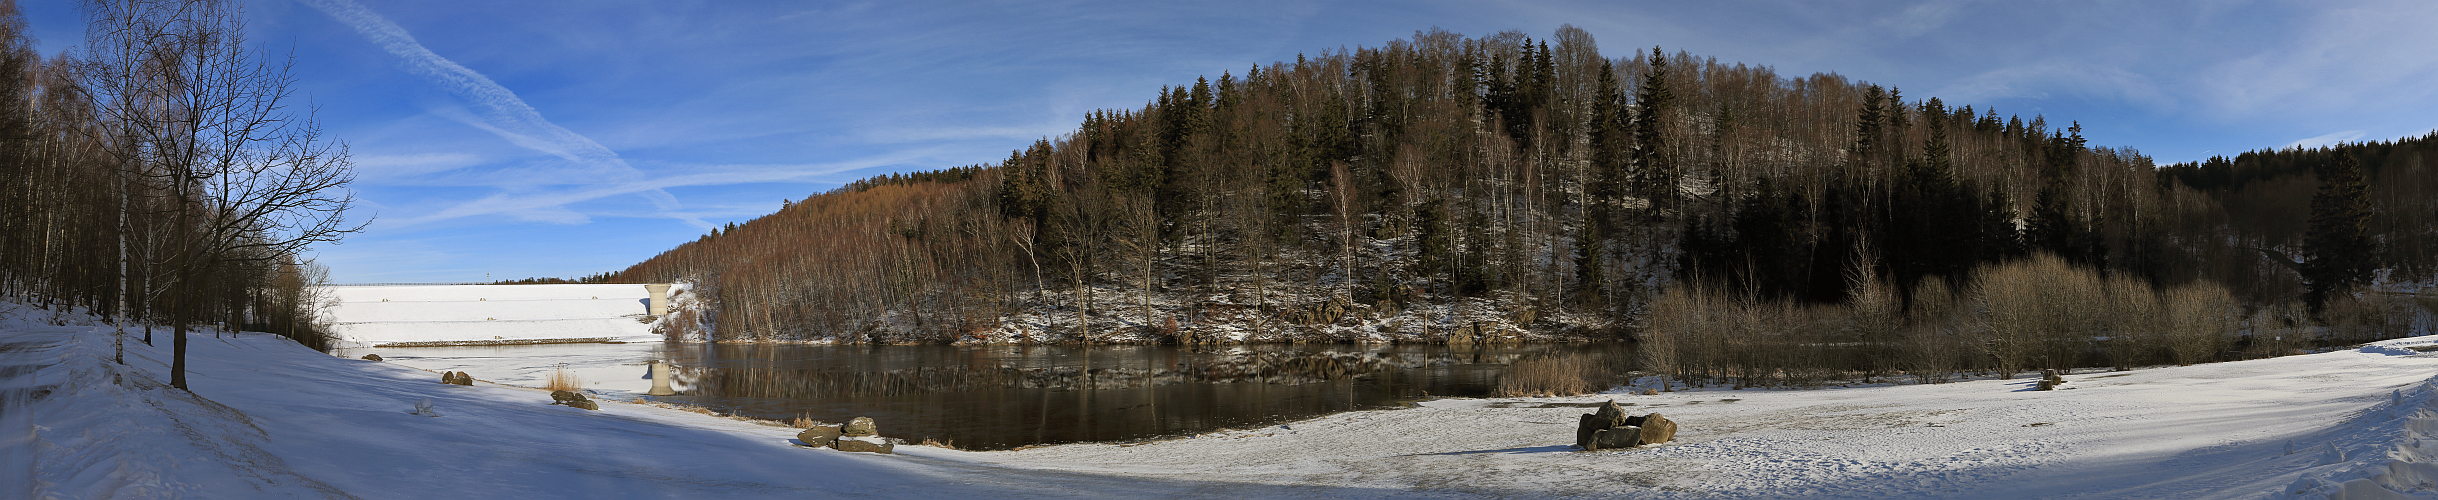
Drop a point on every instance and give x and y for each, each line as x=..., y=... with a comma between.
x=1655, y=172
x=2339, y=249
x=1609, y=141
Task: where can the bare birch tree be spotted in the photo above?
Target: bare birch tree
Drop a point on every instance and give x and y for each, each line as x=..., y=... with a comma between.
x=199, y=115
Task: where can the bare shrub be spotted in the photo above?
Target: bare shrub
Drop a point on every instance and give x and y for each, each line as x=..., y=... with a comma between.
x=2367, y=317
x=1543, y=376
x=2037, y=312
x=2201, y=319
x=2008, y=326
x=1931, y=350
x=950, y=444
x=2131, y=320
x=1872, y=316
x=2277, y=330
x=1669, y=330
x=562, y=380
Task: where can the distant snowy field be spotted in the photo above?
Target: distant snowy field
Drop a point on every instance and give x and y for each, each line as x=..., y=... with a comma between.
x=276, y=420
x=369, y=315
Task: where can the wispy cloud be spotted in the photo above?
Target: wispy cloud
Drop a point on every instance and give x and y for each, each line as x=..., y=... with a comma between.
x=2330, y=139
x=504, y=114
x=410, y=165
x=2344, y=60
x=544, y=207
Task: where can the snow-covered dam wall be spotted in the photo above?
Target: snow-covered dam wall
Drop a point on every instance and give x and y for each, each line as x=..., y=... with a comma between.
x=414, y=315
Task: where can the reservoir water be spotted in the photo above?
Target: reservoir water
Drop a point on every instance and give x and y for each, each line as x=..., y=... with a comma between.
x=999, y=397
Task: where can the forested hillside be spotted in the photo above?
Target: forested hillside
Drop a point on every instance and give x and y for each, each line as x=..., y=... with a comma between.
x=1453, y=189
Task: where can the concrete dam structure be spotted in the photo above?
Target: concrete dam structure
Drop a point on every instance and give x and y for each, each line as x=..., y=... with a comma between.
x=429, y=315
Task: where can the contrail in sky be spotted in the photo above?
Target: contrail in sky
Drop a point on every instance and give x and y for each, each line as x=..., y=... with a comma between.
x=508, y=117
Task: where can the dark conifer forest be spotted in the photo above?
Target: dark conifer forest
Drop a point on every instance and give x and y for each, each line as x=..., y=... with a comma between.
x=1446, y=188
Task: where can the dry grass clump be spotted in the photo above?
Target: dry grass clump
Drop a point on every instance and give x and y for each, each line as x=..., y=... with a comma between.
x=562, y=380
x=950, y=444
x=1544, y=376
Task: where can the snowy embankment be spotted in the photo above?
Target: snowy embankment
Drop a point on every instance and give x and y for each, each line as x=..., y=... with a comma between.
x=383, y=315
x=271, y=419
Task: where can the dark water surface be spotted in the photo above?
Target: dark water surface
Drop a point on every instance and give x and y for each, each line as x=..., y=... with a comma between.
x=998, y=397
x=1002, y=397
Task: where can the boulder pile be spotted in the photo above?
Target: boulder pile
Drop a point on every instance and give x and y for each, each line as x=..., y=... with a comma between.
x=1609, y=429
x=456, y=378
x=2049, y=380
x=573, y=399
x=858, y=435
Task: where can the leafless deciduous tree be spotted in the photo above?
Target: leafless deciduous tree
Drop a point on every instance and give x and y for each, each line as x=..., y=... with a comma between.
x=208, y=121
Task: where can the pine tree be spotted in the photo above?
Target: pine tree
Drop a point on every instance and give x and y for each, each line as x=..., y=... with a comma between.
x=1655, y=172
x=2340, y=252
x=1609, y=142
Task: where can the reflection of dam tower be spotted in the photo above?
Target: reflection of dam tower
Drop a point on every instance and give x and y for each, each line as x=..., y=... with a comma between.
x=660, y=299
x=660, y=379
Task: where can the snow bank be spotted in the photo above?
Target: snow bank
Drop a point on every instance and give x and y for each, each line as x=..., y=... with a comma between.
x=373, y=315
x=2389, y=451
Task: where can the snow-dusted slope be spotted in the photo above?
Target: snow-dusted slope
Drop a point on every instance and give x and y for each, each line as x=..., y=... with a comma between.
x=369, y=315
x=270, y=419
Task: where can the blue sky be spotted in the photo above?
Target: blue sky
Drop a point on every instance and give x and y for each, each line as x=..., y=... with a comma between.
x=561, y=138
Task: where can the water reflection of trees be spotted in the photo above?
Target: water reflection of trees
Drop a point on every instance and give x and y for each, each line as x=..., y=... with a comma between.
x=760, y=379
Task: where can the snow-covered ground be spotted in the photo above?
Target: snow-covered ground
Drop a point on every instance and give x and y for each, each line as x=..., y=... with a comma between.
x=373, y=315
x=271, y=419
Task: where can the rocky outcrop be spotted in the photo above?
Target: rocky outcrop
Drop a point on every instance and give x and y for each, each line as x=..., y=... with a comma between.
x=574, y=399
x=1609, y=428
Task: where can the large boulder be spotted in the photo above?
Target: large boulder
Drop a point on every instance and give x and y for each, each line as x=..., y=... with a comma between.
x=819, y=435
x=456, y=378
x=372, y=357
x=1655, y=428
x=574, y=399
x=1615, y=438
x=863, y=445
x=861, y=427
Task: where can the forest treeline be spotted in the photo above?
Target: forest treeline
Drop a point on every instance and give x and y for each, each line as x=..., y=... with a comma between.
x=1446, y=186
x=157, y=176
